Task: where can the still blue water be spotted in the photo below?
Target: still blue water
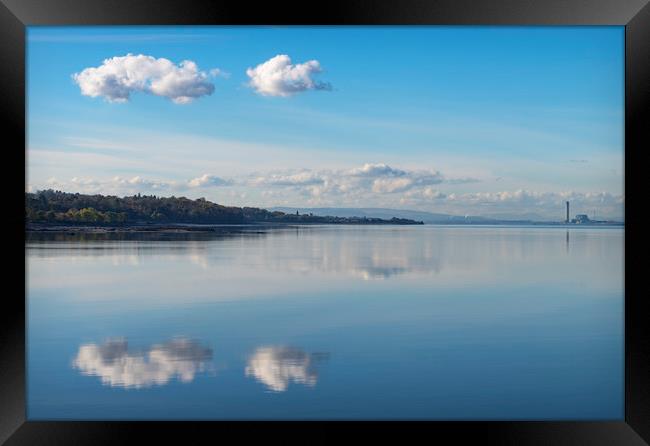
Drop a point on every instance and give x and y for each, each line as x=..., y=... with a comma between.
x=328, y=322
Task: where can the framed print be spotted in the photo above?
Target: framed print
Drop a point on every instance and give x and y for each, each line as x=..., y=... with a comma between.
x=400, y=219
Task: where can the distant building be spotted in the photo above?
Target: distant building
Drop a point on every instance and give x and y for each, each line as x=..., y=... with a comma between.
x=581, y=218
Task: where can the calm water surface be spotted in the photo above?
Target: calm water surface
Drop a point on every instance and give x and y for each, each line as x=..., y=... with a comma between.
x=332, y=322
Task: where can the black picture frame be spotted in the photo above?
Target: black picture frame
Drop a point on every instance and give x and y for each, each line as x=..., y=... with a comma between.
x=15, y=15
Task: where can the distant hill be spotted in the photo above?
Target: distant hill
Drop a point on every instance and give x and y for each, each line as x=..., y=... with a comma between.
x=57, y=208
x=531, y=216
x=436, y=218
x=426, y=217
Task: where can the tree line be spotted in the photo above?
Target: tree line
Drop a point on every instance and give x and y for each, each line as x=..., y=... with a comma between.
x=53, y=206
x=64, y=207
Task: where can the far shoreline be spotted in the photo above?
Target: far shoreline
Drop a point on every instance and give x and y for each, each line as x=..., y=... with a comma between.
x=191, y=227
x=194, y=228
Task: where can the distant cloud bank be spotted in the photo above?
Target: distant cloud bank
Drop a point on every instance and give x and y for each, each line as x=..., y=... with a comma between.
x=378, y=178
x=279, y=77
x=368, y=185
x=123, y=186
x=116, y=78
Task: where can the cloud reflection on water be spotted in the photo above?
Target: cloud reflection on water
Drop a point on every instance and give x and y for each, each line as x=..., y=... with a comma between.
x=116, y=366
x=277, y=366
x=258, y=263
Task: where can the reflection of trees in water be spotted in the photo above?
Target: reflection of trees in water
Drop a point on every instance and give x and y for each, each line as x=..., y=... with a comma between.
x=126, y=247
x=278, y=366
x=116, y=366
x=217, y=233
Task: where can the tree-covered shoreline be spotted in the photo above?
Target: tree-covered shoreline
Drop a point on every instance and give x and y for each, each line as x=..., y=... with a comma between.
x=50, y=207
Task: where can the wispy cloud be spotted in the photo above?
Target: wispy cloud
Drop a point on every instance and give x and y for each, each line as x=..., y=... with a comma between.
x=40, y=37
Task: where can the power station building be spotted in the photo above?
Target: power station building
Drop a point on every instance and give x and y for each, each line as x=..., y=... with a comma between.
x=580, y=218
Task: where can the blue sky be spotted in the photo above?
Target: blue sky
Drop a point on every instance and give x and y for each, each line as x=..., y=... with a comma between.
x=462, y=120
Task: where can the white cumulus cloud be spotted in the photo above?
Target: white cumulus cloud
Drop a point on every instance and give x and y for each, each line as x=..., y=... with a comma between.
x=116, y=78
x=207, y=180
x=376, y=169
x=279, y=77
